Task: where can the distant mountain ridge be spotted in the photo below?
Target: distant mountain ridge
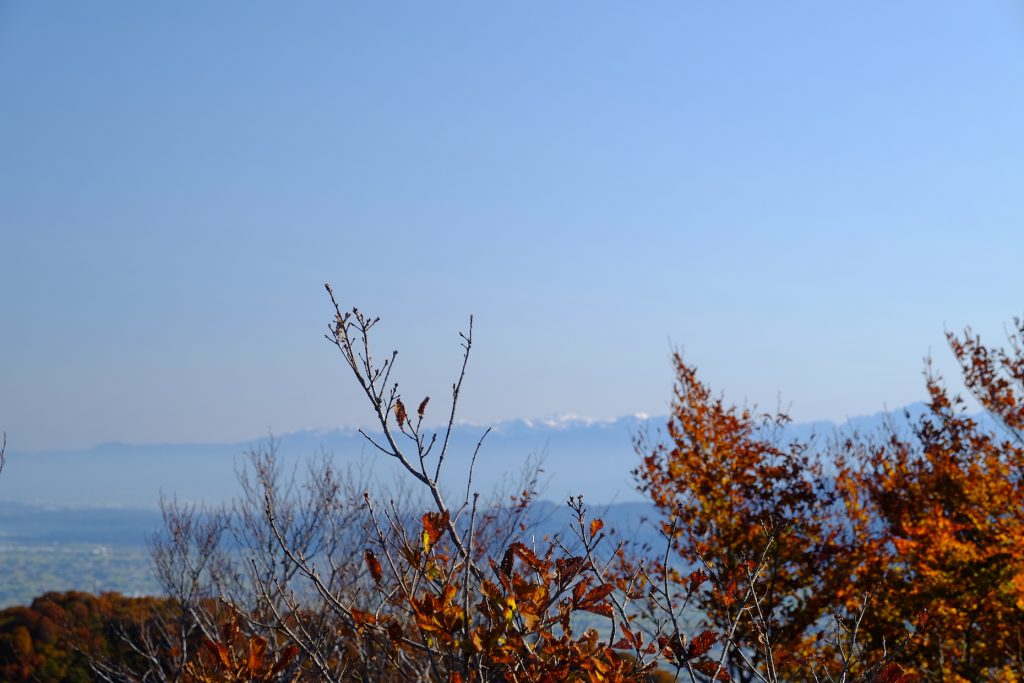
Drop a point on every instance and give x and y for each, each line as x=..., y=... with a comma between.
x=580, y=456
x=80, y=520
x=134, y=476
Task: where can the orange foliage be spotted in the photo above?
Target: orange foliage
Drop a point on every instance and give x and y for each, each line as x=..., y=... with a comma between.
x=237, y=658
x=518, y=623
x=941, y=512
x=728, y=489
x=920, y=528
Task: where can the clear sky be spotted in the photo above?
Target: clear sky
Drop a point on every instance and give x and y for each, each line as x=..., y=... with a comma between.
x=802, y=195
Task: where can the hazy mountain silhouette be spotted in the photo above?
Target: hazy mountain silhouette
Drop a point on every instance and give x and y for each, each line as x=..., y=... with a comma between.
x=579, y=456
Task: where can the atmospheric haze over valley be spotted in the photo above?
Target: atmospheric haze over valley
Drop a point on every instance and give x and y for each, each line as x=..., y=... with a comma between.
x=578, y=456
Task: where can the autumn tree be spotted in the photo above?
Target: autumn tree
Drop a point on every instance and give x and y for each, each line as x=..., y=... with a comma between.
x=734, y=492
x=941, y=512
x=319, y=578
x=444, y=601
x=909, y=538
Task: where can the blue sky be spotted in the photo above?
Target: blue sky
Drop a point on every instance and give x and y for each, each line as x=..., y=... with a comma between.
x=801, y=195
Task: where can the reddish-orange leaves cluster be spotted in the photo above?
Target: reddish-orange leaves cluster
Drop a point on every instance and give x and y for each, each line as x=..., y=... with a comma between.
x=729, y=489
x=941, y=511
x=237, y=658
x=927, y=519
x=521, y=620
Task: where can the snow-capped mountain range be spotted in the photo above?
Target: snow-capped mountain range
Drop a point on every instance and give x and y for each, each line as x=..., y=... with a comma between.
x=577, y=455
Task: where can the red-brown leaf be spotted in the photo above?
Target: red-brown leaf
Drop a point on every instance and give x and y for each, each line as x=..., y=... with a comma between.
x=373, y=565
x=400, y=413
